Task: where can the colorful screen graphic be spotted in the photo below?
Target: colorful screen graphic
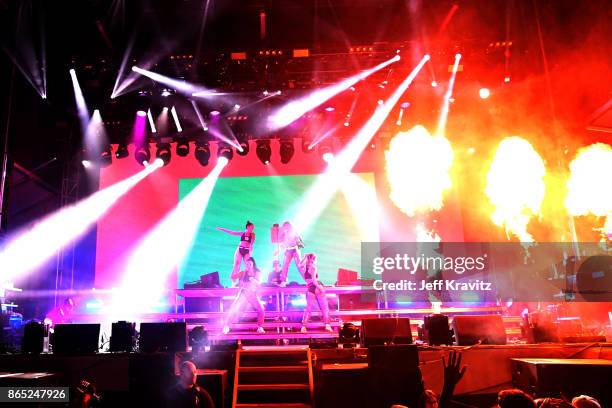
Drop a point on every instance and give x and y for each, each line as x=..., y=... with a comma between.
x=335, y=235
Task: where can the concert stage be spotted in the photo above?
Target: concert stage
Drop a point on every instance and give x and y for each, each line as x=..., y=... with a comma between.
x=341, y=377
x=306, y=203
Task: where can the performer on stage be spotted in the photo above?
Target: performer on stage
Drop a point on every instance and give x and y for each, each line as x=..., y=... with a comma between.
x=315, y=291
x=248, y=282
x=245, y=248
x=291, y=243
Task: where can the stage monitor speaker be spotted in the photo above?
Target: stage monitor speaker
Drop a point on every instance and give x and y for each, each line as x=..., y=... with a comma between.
x=436, y=330
x=123, y=337
x=394, y=375
x=33, y=338
x=551, y=377
x=479, y=329
x=76, y=338
x=385, y=331
x=163, y=337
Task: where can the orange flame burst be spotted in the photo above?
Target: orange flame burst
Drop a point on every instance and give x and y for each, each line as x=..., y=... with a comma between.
x=515, y=186
x=417, y=166
x=589, y=186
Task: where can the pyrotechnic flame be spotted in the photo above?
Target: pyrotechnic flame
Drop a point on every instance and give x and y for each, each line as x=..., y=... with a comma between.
x=515, y=186
x=589, y=187
x=425, y=235
x=417, y=168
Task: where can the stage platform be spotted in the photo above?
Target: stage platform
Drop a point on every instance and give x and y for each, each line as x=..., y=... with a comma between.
x=336, y=371
x=283, y=319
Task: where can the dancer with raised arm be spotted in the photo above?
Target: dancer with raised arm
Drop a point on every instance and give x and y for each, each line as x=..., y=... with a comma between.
x=249, y=281
x=290, y=243
x=245, y=248
x=315, y=292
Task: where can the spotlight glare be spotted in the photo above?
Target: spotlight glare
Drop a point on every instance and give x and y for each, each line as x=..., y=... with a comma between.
x=484, y=93
x=151, y=121
x=24, y=252
x=141, y=113
x=243, y=147
x=290, y=112
x=328, y=157
x=161, y=250
x=457, y=56
x=507, y=79
x=215, y=113
x=223, y=161
x=380, y=101
x=176, y=120
x=318, y=195
x=86, y=164
x=434, y=84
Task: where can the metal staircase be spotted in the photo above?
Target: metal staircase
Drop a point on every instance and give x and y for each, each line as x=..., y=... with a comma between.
x=273, y=377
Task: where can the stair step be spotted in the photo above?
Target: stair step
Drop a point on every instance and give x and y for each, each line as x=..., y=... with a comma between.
x=251, y=369
x=273, y=350
x=276, y=404
x=272, y=387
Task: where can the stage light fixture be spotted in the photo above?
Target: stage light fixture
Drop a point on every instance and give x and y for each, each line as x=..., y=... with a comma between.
x=286, y=151
x=326, y=149
x=264, y=151
x=122, y=151
x=198, y=339
x=244, y=145
x=225, y=150
x=328, y=157
x=163, y=152
x=182, y=147
x=348, y=335
x=434, y=84
x=202, y=153
x=106, y=157
x=86, y=164
x=142, y=155
x=306, y=146
x=484, y=93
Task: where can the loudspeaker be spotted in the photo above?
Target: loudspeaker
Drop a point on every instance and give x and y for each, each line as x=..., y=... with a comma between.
x=436, y=330
x=549, y=377
x=483, y=329
x=76, y=338
x=33, y=338
x=384, y=331
x=123, y=336
x=163, y=337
